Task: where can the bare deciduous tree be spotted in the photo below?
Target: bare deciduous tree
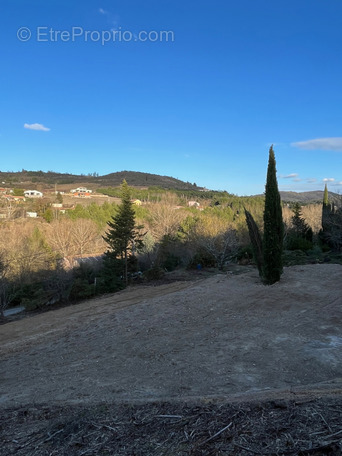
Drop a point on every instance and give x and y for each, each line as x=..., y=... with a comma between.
x=70, y=238
x=85, y=235
x=165, y=217
x=216, y=237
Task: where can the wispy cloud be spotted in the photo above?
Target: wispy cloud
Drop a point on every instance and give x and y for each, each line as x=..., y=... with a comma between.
x=311, y=180
x=289, y=176
x=320, y=144
x=328, y=179
x=36, y=126
x=112, y=19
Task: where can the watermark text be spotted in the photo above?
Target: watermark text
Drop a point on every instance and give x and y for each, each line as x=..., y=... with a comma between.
x=103, y=37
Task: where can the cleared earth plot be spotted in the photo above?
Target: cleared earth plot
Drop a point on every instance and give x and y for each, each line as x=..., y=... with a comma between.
x=225, y=338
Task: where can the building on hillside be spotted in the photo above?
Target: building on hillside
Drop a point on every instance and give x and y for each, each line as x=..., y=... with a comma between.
x=17, y=199
x=81, y=190
x=193, y=204
x=31, y=214
x=33, y=194
x=82, y=194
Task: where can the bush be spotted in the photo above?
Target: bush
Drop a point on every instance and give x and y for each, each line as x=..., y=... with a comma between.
x=293, y=257
x=316, y=254
x=81, y=289
x=204, y=259
x=171, y=262
x=245, y=252
x=298, y=243
x=155, y=273
x=110, y=277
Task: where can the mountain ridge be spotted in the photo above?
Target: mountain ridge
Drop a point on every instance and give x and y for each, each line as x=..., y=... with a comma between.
x=137, y=179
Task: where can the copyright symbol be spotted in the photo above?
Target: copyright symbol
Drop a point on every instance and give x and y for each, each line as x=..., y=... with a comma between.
x=23, y=34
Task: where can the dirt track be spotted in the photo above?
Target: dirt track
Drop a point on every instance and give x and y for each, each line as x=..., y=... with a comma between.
x=218, y=337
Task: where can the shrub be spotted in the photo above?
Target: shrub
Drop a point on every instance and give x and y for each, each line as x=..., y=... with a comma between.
x=155, y=273
x=298, y=243
x=293, y=257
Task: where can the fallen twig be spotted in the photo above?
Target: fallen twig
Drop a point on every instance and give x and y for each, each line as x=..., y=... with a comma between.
x=217, y=434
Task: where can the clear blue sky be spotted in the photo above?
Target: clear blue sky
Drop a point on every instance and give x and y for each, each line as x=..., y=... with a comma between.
x=203, y=107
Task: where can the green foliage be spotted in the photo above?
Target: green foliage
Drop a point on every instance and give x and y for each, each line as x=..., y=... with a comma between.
x=83, y=282
x=48, y=215
x=331, y=234
x=273, y=226
x=326, y=195
x=299, y=227
x=59, y=198
x=204, y=258
x=299, y=236
x=298, y=243
x=293, y=257
x=167, y=257
x=245, y=253
x=122, y=236
x=109, y=278
x=18, y=192
x=171, y=262
x=155, y=273
x=95, y=212
x=256, y=242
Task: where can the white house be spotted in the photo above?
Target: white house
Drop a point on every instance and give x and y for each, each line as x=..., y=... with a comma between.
x=193, y=204
x=33, y=194
x=81, y=190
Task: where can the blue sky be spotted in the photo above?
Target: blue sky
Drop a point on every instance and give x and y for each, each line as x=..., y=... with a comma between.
x=90, y=91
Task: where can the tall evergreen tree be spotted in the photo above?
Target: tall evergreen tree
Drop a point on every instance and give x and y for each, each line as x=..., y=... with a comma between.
x=331, y=233
x=256, y=241
x=326, y=195
x=273, y=226
x=299, y=226
x=122, y=236
x=326, y=211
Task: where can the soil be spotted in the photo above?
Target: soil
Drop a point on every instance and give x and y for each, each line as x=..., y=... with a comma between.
x=215, y=344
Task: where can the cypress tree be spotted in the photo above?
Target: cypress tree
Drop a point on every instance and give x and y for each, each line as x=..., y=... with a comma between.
x=122, y=236
x=273, y=226
x=326, y=195
x=326, y=211
x=256, y=241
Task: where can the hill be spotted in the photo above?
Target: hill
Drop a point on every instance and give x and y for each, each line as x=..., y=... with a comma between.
x=133, y=178
x=309, y=197
x=138, y=179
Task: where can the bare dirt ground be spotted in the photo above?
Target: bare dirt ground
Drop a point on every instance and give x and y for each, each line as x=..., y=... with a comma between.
x=224, y=340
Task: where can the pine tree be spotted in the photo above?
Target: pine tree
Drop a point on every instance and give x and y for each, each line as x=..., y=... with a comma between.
x=299, y=235
x=300, y=228
x=122, y=236
x=273, y=226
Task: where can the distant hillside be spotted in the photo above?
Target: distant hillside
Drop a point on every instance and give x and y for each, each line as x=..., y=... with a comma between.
x=135, y=179
x=309, y=197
